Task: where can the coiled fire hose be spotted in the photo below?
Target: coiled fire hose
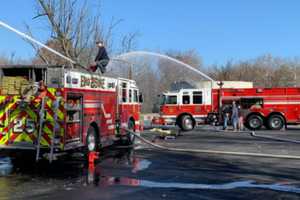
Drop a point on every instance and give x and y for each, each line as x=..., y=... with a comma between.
x=230, y=153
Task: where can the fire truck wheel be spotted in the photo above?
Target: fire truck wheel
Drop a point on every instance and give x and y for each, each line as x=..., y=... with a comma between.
x=275, y=122
x=186, y=123
x=91, y=139
x=254, y=122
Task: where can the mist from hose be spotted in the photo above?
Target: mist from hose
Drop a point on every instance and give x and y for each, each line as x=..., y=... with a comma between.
x=128, y=55
x=155, y=73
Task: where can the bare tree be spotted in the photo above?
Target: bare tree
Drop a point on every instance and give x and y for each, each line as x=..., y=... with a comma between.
x=128, y=42
x=190, y=57
x=74, y=30
x=155, y=75
x=12, y=59
x=170, y=72
x=4, y=60
x=263, y=71
x=148, y=83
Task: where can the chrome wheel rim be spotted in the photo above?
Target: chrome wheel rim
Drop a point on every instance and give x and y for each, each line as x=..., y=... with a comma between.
x=255, y=123
x=188, y=123
x=276, y=122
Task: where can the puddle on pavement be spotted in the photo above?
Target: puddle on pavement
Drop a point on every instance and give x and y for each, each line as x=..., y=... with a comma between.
x=94, y=177
x=72, y=175
x=142, y=165
x=126, y=159
x=18, y=177
x=224, y=186
x=124, y=181
x=6, y=166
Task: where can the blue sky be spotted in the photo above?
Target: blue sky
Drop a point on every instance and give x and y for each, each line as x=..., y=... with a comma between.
x=218, y=30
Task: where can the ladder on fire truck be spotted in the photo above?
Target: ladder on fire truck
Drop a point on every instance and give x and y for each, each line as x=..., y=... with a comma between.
x=55, y=106
x=39, y=138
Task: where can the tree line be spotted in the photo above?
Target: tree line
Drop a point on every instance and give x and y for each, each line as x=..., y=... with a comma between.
x=74, y=27
x=263, y=71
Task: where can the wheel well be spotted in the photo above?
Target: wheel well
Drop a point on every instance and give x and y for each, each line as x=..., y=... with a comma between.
x=182, y=114
x=277, y=113
x=255, y=113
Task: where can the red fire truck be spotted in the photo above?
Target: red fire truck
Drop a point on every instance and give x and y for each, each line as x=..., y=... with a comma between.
x=51, y=109
x=273, y=108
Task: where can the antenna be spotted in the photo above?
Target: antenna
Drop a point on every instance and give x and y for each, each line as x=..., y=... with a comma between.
x=27, y=37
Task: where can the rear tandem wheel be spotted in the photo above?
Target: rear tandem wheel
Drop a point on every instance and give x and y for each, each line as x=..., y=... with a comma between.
x=254, y=122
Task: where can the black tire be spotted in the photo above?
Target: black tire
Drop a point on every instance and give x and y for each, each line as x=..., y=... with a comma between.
x=212, y=119
x=275, y=122
x=92, y=140
x=178, y=123
x=254, y=122
x=186, y=123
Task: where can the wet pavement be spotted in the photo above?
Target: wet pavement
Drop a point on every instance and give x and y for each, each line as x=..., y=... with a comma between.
x=152, y=174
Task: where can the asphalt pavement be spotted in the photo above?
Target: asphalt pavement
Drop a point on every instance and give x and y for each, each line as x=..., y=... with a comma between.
x=146, y=173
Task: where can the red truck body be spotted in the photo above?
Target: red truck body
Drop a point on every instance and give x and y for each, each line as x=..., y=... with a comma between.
x=270, y=107
x=72, y=104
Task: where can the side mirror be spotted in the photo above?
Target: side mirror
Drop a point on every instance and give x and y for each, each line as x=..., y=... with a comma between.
x=141, y=98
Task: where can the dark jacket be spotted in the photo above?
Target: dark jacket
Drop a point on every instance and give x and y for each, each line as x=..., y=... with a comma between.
x=226, y=109
x=101, y=55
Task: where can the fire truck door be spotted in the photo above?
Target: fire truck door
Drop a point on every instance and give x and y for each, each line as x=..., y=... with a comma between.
x=123, y=99
x=74, y=118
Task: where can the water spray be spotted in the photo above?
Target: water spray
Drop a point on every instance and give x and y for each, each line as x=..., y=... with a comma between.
x=166, y=57
x=27, y=37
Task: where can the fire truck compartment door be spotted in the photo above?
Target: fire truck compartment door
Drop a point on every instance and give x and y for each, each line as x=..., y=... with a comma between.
x=74, y=119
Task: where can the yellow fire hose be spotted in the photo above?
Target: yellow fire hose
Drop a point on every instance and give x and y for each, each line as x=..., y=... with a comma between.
x=231, y=153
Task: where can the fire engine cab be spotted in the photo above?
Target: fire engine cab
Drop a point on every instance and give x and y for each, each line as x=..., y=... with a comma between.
x=273, y=108
x=52, y=109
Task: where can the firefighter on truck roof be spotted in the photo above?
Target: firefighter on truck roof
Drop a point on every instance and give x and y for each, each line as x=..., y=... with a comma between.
x=101, y=59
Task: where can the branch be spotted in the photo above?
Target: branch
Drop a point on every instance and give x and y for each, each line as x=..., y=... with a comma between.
x=34, y=46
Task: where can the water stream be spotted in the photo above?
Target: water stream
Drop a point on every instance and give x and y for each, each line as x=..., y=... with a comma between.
x=134, y=54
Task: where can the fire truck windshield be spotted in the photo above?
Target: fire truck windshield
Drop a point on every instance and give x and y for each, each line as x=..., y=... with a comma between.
x=168, y=99
x=161, y=99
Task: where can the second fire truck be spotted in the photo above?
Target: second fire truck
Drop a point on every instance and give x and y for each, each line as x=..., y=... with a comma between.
x=272, y=108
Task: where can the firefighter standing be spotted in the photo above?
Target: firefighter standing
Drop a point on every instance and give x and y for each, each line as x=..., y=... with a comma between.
x=226, y=113
x=241, y=118
x=101, y=59
x=235, y=115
